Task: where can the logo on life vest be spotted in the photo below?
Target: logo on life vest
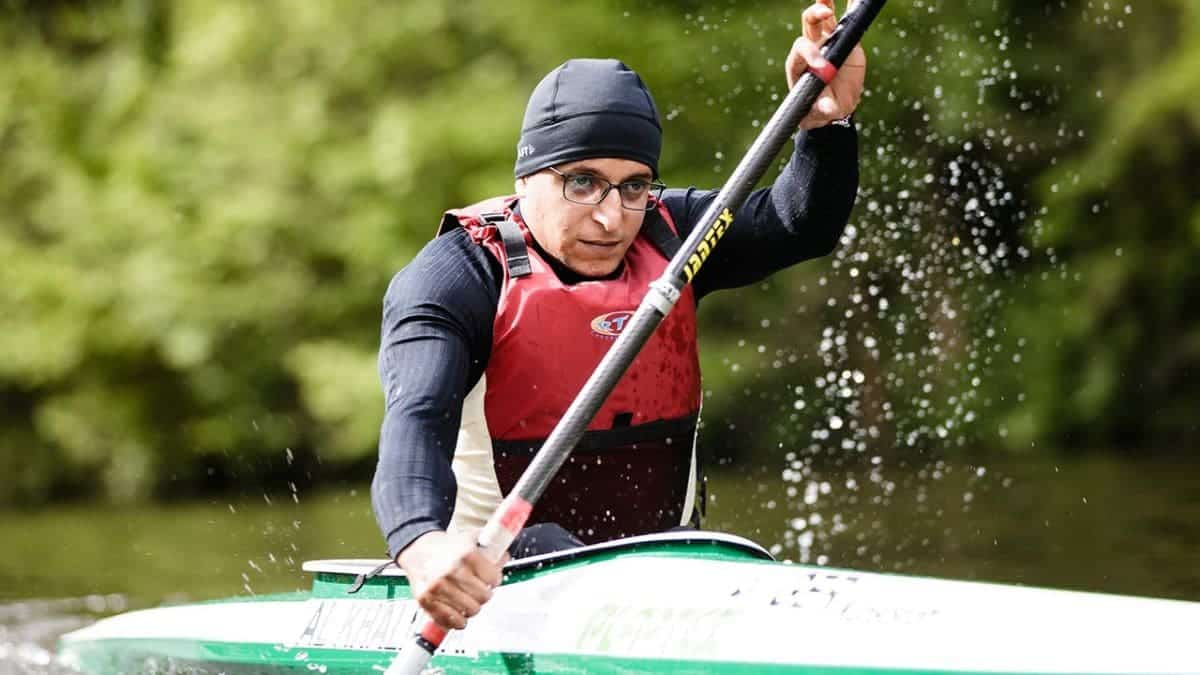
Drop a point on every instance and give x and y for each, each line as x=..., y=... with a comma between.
x=611, y=324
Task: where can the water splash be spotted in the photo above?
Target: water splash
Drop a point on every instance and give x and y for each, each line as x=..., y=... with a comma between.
x=901, y=385
x=29, y=630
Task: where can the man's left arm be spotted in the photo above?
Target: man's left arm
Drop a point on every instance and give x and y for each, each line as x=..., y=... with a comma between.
x=801, y=216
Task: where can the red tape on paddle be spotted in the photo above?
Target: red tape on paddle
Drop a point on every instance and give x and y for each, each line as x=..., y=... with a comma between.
x=516, y=512
x=433, y=633
x=825, y=73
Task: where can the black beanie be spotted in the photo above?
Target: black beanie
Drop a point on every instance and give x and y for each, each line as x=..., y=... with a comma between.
x=588, y=108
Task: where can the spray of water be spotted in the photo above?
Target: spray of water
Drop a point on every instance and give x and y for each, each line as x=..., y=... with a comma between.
x=899, y=337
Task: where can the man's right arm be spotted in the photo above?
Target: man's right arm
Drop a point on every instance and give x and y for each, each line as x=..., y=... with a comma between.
x=435, y=342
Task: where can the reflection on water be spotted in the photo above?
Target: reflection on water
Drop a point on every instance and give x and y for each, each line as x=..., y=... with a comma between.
x=30, y=628
x=1101, y=524
x=63, y=568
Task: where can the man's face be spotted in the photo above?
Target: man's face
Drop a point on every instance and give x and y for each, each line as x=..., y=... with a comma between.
x=590, y=239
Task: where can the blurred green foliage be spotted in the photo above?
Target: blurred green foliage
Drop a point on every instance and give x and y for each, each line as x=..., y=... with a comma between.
x=1115, y=338
x=201, y=204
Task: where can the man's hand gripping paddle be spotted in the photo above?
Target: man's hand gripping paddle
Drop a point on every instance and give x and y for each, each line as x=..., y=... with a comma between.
x=662, y=295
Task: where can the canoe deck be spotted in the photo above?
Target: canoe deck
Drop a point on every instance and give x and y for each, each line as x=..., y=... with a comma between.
x=684, y=602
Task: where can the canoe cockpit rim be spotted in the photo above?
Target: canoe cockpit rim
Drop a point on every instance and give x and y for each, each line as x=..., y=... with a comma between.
x=357, y=566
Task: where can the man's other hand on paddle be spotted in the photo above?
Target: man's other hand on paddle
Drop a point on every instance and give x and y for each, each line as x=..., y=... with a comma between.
x=451, y=578
x=841, y=96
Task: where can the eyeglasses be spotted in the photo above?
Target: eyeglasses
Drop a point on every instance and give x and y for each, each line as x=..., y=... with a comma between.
x=584, y=188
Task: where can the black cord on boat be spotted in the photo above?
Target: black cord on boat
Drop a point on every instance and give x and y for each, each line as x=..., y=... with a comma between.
x=362, y=579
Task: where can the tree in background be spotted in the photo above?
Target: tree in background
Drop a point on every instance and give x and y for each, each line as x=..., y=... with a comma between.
x=1114, y=334
x=201, y=204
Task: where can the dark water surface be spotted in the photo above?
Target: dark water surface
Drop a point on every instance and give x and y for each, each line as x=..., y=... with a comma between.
x=1115, y=525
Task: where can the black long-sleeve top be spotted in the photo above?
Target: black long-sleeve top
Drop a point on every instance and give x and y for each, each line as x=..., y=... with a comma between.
x=439, y=310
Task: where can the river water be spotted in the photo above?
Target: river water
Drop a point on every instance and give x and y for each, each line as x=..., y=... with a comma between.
x=1106, y=524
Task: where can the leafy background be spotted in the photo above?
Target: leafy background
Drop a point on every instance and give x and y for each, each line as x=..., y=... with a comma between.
x=201, y=204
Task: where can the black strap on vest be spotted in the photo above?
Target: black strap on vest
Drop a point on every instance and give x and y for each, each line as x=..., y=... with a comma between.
x=516, y=255
x=660, y=234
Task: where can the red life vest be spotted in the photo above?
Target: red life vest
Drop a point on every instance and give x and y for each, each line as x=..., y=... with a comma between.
x=632, y=471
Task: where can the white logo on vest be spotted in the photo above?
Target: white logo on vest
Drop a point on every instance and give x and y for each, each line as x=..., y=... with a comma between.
x=611, y=324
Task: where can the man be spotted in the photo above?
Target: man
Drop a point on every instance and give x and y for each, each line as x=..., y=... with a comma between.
x=491, y=330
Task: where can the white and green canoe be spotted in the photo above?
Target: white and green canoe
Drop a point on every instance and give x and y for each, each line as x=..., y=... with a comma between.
x=679, y=602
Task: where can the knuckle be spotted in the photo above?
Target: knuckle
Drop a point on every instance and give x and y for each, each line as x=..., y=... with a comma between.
x=448, y=617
